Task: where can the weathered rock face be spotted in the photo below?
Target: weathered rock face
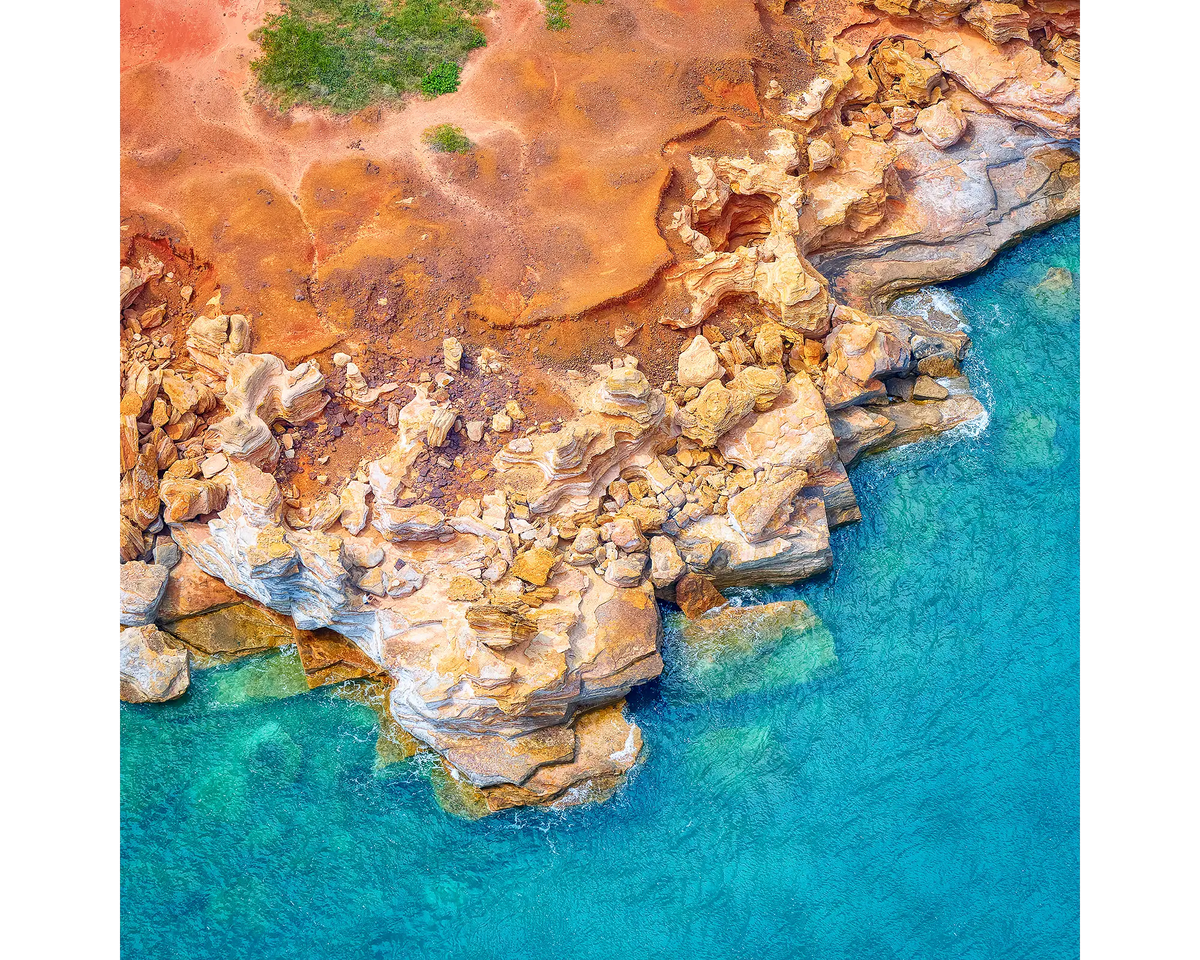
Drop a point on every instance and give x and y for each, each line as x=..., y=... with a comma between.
x=259, y=391
x=239, y=628
x=153, y=668
x=329, y=658
x=214, y=340
x=605, y=747
x=485, y=684
x=185, y=498
x=134, y=278
x=696, y=596
x=741, y=253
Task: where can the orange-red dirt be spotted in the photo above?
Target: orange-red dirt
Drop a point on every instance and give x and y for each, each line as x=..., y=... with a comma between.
x=311, y=218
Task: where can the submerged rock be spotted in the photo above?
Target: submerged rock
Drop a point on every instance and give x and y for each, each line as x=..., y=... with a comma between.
x=270, y=676
x=739, y=649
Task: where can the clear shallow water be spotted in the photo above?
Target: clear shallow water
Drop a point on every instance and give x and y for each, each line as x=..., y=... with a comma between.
x=911, y=792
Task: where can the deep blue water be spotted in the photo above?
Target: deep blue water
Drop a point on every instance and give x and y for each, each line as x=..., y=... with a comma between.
x=906, y=785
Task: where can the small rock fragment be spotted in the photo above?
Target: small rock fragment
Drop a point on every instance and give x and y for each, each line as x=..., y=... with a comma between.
x=534, y=566
x=214, y=465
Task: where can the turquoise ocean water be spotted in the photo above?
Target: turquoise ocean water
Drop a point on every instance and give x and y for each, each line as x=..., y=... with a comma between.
x=901, y=782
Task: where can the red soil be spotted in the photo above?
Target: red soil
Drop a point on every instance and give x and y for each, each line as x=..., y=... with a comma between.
x=308, y=219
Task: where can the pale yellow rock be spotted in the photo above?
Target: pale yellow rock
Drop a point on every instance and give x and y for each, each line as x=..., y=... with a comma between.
x=154, y=668
x=355, y=511
x=698, y=364
x=186, y=499
x=820, y=154
x=213, y=342
x=666, y=566
x=420, y=522
x=464, y=588
x=260, y=391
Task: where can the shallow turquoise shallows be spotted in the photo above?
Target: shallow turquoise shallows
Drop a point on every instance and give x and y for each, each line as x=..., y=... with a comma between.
x=902, y=782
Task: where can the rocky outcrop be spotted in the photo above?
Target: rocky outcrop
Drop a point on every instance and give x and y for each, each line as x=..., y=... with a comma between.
x=510, y=630
x=185, y=498
x=602, y=748
x=509, y=625
x=134, y=278
x=485, y=684
x=504, y=628
x=964, y=118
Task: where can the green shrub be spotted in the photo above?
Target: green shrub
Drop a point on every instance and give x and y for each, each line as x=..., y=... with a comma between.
x=346, y=54
x=446, y=138
x=441, y=79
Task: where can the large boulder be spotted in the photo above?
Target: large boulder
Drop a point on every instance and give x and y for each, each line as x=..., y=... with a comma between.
x=142, y=589
x=153, y=667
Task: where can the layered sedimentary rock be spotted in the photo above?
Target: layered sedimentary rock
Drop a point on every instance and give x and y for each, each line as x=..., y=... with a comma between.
x=494, y=683
x=743, y=220
x=142, y=589
x=971, y=113
x=259, y=391
x=508, y=628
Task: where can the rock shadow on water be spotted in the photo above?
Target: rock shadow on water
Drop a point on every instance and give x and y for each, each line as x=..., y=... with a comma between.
x=1029, y=442
x=742, y=650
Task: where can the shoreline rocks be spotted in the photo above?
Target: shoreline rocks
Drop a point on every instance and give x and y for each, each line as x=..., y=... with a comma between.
x=508, y=626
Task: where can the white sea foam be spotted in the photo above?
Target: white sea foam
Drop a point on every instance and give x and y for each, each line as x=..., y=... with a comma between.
x=931, y=304
x=627, y=752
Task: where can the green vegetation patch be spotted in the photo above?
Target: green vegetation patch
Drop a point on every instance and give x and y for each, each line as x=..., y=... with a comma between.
x=557, y=17
x=446, y=138
x=346, y=54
